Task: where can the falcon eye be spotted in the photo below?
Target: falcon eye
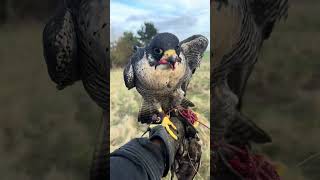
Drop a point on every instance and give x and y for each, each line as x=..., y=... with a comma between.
x=178, y=50
x=157, y=50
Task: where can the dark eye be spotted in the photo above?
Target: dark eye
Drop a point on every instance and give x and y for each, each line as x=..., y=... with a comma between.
x=178, y=50
x=157, y=50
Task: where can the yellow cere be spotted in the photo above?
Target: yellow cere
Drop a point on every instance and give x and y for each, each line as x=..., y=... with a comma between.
x=170, y=52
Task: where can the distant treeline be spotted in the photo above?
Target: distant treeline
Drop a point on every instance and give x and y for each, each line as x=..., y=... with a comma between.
x=122, y=49
x=18, y=10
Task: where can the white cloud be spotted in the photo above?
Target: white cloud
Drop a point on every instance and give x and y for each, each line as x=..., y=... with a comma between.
x=181, y=17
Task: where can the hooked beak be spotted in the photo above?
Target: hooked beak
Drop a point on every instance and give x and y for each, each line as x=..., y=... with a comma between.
x=169, y=57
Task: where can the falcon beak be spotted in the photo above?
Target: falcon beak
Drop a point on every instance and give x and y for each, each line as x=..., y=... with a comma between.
x=170, y=57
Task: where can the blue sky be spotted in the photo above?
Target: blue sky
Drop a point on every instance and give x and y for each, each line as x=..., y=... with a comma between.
x=181, y=17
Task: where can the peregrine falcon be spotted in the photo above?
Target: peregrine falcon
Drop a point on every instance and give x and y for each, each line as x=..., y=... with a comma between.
x=161, y=72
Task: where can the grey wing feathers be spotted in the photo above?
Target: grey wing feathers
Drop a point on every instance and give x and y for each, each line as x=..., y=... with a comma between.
x=93, y=36
x=193, y=49
x=267, y=12
x=250, y=22
x=92, y=29
x=60, y=49
x=76, y=44
x=128, y=75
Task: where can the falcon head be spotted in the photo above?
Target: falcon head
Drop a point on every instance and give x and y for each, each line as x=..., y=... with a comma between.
x=163, y=51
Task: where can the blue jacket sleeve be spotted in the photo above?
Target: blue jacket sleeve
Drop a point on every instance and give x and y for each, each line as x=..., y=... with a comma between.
x=139, y=159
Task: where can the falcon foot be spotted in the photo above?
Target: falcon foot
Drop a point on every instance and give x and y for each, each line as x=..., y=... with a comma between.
x=167, y=124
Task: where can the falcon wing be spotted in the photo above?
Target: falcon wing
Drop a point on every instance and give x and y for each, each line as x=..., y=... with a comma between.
x=93, y=38
x=238, y=41
x=128, y=73
x=60, y=48
x=193, y=49
x=265, y=14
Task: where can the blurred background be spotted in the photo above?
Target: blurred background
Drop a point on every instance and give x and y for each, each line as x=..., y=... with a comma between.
x=283, y=94
x=46, y=134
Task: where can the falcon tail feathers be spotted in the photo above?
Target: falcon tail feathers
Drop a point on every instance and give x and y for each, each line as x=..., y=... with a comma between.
x=242, y=130
x=187, y=103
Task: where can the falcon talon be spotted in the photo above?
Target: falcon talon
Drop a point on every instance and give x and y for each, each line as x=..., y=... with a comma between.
x=167, y=123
